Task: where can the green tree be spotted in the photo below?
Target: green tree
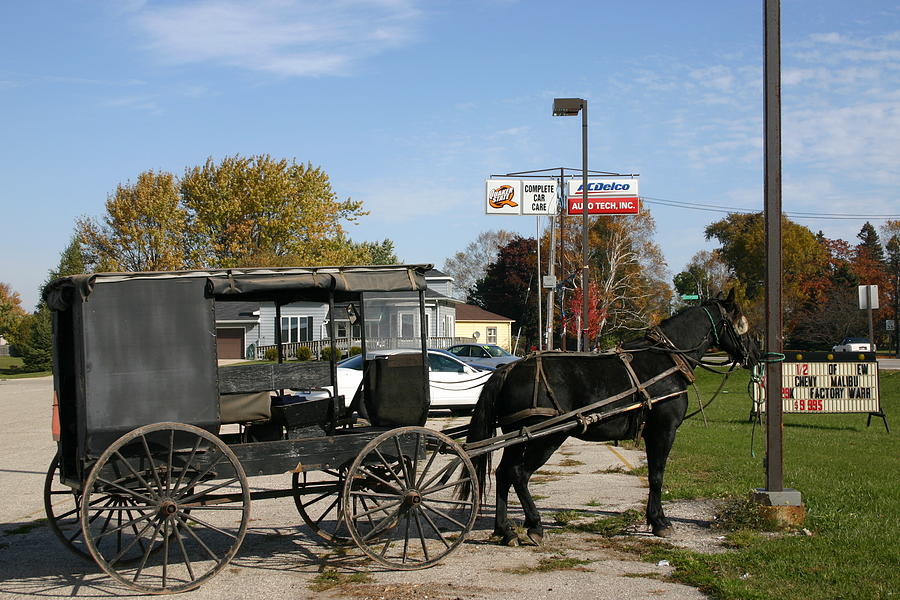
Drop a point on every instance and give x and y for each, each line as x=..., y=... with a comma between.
x=870, y=243
x=508, y=287
x=36, y=336
x=742, y=239
x=380, y=253
x=142, y=230
x=246, y=207
x=11, y=311
x=705, y=275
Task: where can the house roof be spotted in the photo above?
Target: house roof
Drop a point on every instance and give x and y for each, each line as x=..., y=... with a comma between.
x=237, y=311
x=468, y=312
x=436, y=274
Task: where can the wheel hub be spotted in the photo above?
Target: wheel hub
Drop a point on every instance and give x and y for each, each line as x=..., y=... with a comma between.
x=167, y=509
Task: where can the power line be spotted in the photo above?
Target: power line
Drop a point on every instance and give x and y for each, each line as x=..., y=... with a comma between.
x=792, y=214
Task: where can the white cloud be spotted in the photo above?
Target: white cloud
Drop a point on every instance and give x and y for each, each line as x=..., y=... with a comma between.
x=283, y=37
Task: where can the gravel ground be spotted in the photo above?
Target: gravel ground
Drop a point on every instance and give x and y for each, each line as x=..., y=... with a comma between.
x=280, y=559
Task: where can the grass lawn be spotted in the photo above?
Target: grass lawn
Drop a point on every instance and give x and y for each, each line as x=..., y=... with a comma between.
x=848, y=474
x=10, y=368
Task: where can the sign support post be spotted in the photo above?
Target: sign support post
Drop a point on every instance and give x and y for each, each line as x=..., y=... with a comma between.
x=782, y=504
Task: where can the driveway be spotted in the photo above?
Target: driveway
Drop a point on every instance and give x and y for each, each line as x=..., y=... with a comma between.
x=279, y=558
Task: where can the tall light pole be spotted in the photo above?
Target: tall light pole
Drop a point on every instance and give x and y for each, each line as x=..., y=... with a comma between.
x=570, y=107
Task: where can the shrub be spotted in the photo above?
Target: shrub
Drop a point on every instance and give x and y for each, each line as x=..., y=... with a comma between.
x=304, y=353
x=271, y=354
x=326, y=353
x=354, y=350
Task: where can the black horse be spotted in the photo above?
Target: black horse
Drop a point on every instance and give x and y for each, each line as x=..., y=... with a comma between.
x=656, y=368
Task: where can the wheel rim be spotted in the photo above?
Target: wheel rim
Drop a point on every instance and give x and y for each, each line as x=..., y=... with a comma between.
x=317, y=495
x=176, y=510
x=63, y=507
x=400, y=498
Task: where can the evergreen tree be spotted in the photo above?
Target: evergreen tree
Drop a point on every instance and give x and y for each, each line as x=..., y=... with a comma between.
x=870, y=242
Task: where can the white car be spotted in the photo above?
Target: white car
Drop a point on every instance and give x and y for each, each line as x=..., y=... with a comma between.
x=852, y=344
x=453, y=383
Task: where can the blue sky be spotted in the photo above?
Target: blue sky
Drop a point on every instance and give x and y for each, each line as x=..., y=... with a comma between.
x=409, y=105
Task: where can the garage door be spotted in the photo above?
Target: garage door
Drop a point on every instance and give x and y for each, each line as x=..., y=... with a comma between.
x=230, y=343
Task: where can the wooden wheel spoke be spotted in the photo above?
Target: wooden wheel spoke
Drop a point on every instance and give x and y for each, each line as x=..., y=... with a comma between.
x=441, y=514
x=421, y=536
x=445, y=486
x=389, y=467
x=402, y=458
x=316, y=499
x=369, y=473
x=327, y=510
x=218, y=486
x=190, y=531
x=140, y=568
x=130, y=492
x=444, y=473
x=150, y=461
x=206, y=524
x=187, y=560
x=187, y=465
x=169, y=463
x=378, y=508
x=196, y=479
x=383, y=525
x=132, y=544
x=425, y=469
x=132, y=523
x=434, y=526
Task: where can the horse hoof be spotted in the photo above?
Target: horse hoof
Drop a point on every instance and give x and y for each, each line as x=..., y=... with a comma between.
x=664, y=532
x=536, y=538
x=511, y=541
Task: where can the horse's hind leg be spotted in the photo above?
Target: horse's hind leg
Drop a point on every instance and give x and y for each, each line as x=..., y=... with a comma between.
x=534, y=455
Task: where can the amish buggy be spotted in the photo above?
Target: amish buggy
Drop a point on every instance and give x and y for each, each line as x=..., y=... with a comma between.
x=156, y=441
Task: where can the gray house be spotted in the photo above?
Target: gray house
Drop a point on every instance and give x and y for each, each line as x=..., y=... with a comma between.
x=247, y=330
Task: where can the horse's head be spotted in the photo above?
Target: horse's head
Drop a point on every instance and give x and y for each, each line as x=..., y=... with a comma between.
x=731, y=330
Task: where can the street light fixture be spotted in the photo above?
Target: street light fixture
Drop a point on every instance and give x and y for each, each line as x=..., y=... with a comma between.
x=570, y=107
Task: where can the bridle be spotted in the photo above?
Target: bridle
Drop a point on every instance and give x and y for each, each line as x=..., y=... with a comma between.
x=727, y=326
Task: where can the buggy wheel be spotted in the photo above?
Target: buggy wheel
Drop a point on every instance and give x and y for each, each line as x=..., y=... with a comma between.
x=317, y=495
x=63, y=507
x=410, y=498
x=179, y=510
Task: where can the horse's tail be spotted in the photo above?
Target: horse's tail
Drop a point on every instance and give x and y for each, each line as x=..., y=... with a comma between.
x=484, y=425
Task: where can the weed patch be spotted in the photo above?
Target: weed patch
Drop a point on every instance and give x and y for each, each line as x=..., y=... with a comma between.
x=564, y=517
x=743, y=513
x=330, y=578
x=609, y=526
x=557, y=562
x=570, y=462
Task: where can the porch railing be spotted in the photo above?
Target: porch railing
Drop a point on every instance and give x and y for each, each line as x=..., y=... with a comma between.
x=344, y=345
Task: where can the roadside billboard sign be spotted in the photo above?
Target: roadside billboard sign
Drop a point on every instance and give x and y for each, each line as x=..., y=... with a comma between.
x=539, y=197
x=503, y=197
x=607, y=196
x=520, y=197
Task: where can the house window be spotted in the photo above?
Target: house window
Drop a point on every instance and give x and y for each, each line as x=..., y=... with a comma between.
x=448, y=326
x=296, y=329
x=491, y=335
x=407, y=325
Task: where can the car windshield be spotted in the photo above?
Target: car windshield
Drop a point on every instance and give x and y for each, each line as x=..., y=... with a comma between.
x=496, y=351
x=354, y=362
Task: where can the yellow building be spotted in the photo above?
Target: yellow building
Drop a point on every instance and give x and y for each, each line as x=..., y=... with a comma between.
x=483, y=326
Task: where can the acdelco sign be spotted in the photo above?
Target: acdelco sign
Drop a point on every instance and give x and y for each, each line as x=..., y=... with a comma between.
x=604, y=197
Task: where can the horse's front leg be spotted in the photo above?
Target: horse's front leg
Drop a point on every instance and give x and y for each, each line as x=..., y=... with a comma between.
x=503, y=527
x=658, y=440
